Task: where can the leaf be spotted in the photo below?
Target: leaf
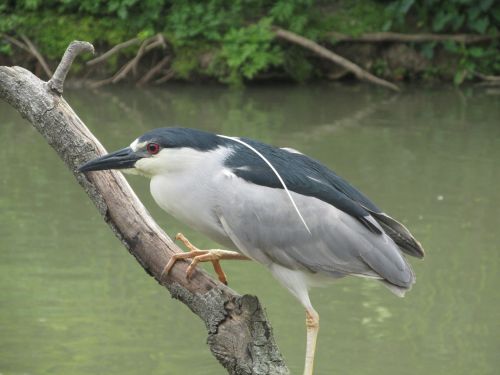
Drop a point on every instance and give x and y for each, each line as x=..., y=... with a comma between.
x=457, y=22
x=485, y=5
x=496, y=13
x=405, y=6
x=450, y=46
x=476, y=51
x=480, y=25
x=122, y=12
x=459, y=77
x=441, y=20
x=473, y=13
x=387, y=25
x=249, y=50
x=427, y=49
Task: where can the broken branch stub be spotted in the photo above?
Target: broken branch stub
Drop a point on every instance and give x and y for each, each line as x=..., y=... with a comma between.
x=239, y=334
x=75, y=48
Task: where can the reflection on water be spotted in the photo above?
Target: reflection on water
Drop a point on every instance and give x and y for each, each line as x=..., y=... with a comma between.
x=74, y=302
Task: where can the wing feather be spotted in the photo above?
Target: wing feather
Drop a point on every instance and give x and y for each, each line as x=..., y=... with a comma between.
x=306, y=176
x=263, y=225
x=302, y=175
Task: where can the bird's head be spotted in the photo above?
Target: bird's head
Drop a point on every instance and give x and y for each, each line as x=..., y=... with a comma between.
x=157, y=151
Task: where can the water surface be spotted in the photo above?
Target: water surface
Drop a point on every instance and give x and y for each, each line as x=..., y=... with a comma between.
x=73, y=301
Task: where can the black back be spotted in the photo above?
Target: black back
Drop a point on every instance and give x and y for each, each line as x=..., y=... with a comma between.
x=302, y=175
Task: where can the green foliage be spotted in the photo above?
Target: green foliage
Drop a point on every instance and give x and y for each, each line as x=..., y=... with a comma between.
x=295, y=15
x=236, y=33
x=440, y=16
x=232, y=41
x=452, y=16
x=191, y=21
x=186, y=63
x=358, y=17
x=249, y=50
x=473, y=59
x=380, y=67
x=242, y=46
x=297, y=65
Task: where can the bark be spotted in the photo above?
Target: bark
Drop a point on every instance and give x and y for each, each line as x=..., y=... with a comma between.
x=239, y=335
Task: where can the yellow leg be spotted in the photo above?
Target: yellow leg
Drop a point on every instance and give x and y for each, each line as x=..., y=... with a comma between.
x=312, y=325
x=214, y=256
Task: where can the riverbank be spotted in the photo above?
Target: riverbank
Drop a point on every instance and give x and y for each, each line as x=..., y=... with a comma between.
x=234, y=42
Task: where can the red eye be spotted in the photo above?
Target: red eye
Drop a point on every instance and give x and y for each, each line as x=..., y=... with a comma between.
x=153, y=148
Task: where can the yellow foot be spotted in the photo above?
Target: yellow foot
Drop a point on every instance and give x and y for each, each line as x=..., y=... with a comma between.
x=214, y=256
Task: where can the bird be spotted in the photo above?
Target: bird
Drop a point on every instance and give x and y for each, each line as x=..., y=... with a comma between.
x=276, y=206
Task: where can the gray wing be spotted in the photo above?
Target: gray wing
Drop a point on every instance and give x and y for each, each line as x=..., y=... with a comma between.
x=263, y=224
x=307, y=176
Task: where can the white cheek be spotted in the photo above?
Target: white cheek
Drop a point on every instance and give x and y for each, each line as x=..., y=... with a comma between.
x=178, y=160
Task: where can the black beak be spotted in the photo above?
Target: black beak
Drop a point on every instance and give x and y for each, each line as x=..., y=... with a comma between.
x=121, y=159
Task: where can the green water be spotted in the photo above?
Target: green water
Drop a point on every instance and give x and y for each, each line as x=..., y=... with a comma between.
x=73, y=301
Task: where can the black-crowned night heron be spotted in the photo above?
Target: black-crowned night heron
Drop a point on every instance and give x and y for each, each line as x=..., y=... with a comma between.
x=274, y=205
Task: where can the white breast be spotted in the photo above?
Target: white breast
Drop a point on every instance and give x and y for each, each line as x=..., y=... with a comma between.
x=186, y=189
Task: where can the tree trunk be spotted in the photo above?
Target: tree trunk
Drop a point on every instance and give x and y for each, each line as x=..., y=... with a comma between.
x=239, y=335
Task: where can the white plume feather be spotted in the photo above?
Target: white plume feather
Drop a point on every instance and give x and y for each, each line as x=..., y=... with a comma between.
x=275, y=172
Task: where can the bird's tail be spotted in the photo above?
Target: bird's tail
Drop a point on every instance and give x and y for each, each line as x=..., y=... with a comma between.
x=399, y=234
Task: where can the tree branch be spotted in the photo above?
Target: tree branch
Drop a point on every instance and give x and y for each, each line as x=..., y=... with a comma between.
x=169, y=74
x=147, y=45
x=487, y=80
x=382, y=37
x=240, y=336
x=29, y=47
x=75, y=48
x=34, y=51
x=337, y=59
x=153, y=71
x=486, y=77
x=113, y=50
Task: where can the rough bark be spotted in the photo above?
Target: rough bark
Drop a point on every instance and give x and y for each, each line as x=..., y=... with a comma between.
x=239, y=335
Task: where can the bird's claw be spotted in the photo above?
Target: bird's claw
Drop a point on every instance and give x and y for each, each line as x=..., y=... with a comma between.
x=198, y=256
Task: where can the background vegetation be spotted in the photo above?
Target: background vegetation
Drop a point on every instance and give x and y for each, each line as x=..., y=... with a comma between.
x=232, y=41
